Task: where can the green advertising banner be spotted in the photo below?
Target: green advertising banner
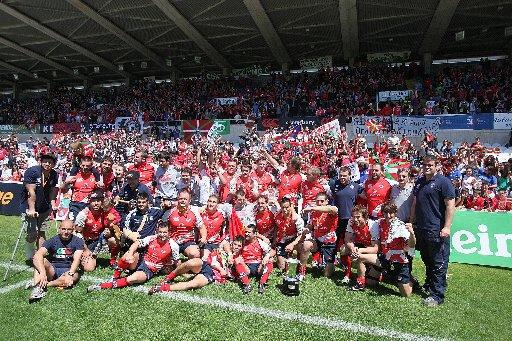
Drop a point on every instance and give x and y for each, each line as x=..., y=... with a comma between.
x=482, y=238
x=222, y=127
x=17, y=129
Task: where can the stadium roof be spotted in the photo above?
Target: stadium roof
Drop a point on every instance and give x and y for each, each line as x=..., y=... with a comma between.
x=64, y=40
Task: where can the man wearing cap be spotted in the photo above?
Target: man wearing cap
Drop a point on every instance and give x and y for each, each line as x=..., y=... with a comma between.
x=128, y=194
x=38, y=199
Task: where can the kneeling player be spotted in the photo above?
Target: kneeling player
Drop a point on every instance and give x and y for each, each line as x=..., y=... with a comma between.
x=161, y=250
x=393, y=248
x=252, y=257
x=210, y=270
x=323, y=221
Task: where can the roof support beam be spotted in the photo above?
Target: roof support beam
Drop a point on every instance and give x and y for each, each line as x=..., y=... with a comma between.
x=60, y=38
x=438, y=26
x=268, y=31
x=108, y=25
x=175, y=16
x=39, y=57
x=21, y=71
x=349, y=28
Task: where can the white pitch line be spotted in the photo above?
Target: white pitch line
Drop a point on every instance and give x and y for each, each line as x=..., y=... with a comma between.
x=11, y=287
x=270, y=313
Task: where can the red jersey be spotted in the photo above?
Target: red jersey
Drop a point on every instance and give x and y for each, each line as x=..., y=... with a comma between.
x=482, y=203
x=289, y=185
x=249, y=186
x=393, y=240
x=504, y=204
x=83, y=186
x=254, y=251
x=377, y=192
x=215, y=261
x=288, y=227
x=159, y=253
x=309, y=191
x=147, y=172
x=107, y=179
x=92, y=223
x=182, y=226
x=225, y=189
x=324, y=226
x=214, y=223
x=264, y=180
x=266, y=223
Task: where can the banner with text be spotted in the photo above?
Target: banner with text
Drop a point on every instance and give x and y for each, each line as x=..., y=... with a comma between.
x=226, y=100
x=394, y=96
x=17, y=129
x=483, y=238
x=502, y=121
x=10, y=198
x=415, y=126
x=130, y=123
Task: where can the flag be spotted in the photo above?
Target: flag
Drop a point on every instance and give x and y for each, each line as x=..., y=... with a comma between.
x=191, y=127
x=236, y=228
x=391, y=169
x=373, y=126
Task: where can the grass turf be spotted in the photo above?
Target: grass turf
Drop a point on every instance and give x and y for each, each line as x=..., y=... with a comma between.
x=477, y=307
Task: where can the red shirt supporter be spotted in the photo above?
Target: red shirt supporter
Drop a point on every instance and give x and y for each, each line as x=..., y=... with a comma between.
x=502, y=203
x=182, y=225
x=215, y=223
x=93, y=223
x=377, y=190
x=248, y=185
x=226, y=179
x=108, y=179
x=147, y=172
x=484, y=203
x=324, y=226
x=254, y=251
x=266, y=223
x=159, y=253
x=263, y=178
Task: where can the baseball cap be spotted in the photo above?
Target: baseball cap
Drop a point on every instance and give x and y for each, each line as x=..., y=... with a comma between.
x=97, y=195
x=47, y=155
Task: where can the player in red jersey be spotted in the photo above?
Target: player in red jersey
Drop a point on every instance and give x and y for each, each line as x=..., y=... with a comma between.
x=226, y=190
x=361, y=236
x=82, y=185
x=290, y=178
x=265, y=220
x=215, y=218
x=323, y=221
x=252, y=257
x=289, y=237
x=263, y=178
x=393, y=248
x=90, y=223
x=160, y=251
x=312, y=186
x=377, y=190
x=145, y=169
x=107, y=174
x=247, y=183
x=186, y=226
x=212, y=269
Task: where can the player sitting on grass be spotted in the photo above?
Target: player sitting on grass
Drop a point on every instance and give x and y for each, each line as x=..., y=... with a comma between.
x=210, y=270
x=63, y=253
x=393, y=247
x=160, y=251
x=252, y=257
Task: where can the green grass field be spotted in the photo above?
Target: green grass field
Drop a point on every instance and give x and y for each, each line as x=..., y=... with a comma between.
x=478, y=306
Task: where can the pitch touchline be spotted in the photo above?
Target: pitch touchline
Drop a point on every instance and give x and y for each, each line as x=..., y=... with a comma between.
x=11, y=287
x=251, y=309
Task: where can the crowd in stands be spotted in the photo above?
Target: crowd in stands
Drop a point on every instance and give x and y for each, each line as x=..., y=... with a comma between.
x=476, y=88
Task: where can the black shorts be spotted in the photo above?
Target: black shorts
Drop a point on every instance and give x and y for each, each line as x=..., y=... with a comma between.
x=328, y=251
x=183, y=246
x=253, y=269
x=207, y=271
x=401, y=272
x=142, y=266
x=211, y=246
x=93, y=245
x=280, y=249
x=59, y=271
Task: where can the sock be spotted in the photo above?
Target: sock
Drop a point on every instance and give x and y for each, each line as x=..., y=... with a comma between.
x=347, y=261
x=172, y=275
x=106, y=285
x=361, y=281
x=266, y=272
x=165, y=287
x=317, y=258
x=121, y=265
x=301, y=269
x=30, y=249
x=120, y=283
x=240, y=270
x=114, y=250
